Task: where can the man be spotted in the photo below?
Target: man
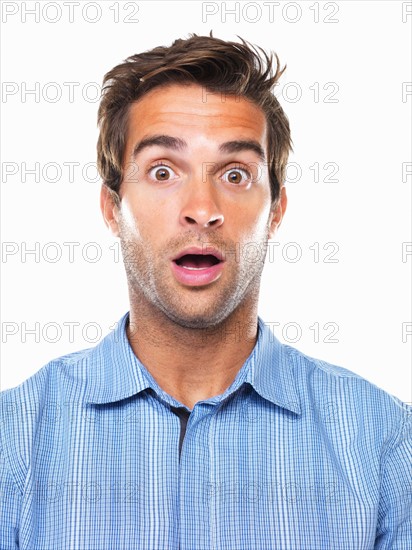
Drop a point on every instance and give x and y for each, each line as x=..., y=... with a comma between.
x=191, y=426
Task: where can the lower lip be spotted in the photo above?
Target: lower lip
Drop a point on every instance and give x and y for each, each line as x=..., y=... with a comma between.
x=197, y=277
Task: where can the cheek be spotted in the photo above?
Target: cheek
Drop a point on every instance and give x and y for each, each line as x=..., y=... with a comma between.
x=251, y=224
x=146, y=204
x=130, y=221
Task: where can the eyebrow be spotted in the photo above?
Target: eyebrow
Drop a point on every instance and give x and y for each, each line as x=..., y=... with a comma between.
x=177, y=144
x=243, y=145
x=169, y=142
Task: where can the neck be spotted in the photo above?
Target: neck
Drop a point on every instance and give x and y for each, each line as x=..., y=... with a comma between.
x=191, y=364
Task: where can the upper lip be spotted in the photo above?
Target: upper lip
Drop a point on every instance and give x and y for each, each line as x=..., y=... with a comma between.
x=204, y=250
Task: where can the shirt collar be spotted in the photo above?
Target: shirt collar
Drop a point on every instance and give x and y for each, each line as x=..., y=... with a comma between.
x=273, y=373
x=116, y=373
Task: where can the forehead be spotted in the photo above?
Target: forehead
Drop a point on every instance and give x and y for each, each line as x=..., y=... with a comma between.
x=192, y=110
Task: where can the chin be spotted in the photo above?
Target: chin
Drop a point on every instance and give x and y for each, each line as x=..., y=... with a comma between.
x=198, y=321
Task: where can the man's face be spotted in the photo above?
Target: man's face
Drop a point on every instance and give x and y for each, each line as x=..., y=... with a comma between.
x=195, y=176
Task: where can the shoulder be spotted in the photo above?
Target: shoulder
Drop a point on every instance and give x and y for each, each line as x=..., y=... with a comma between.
x=40, y=397
x=69, y=375
x=62, y=371
x=44, y=405
x=348, y=398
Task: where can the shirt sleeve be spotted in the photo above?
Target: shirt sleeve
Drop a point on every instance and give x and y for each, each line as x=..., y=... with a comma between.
x=10, y=502
x=395, y=506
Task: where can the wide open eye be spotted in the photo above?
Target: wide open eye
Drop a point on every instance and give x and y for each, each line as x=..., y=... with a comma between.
x=161, y=172
x=237, y=176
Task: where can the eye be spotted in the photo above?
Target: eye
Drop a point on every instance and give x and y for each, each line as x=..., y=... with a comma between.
x=237, y=176
x=161, y=172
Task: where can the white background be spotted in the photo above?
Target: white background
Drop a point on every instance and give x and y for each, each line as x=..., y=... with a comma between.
x=364, y=53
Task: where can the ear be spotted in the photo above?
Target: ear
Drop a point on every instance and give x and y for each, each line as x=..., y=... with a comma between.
x=277, y=212
x=110, y=210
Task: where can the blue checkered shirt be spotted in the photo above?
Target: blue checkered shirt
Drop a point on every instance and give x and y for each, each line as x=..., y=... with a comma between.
x=296, y=454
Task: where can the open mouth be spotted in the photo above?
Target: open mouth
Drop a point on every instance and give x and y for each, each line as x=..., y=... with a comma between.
x=197, y=269
x=197, y=261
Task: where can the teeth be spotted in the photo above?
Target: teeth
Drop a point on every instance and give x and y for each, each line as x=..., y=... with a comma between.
x=195, y=268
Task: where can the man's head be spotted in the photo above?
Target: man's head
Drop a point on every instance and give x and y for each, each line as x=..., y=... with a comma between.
x=189, y=157
x=227, y=68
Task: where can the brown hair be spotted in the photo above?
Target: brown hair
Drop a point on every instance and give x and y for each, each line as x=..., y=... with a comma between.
x=232, y=68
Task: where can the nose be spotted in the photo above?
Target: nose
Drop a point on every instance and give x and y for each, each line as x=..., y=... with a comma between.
x=200, y=206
